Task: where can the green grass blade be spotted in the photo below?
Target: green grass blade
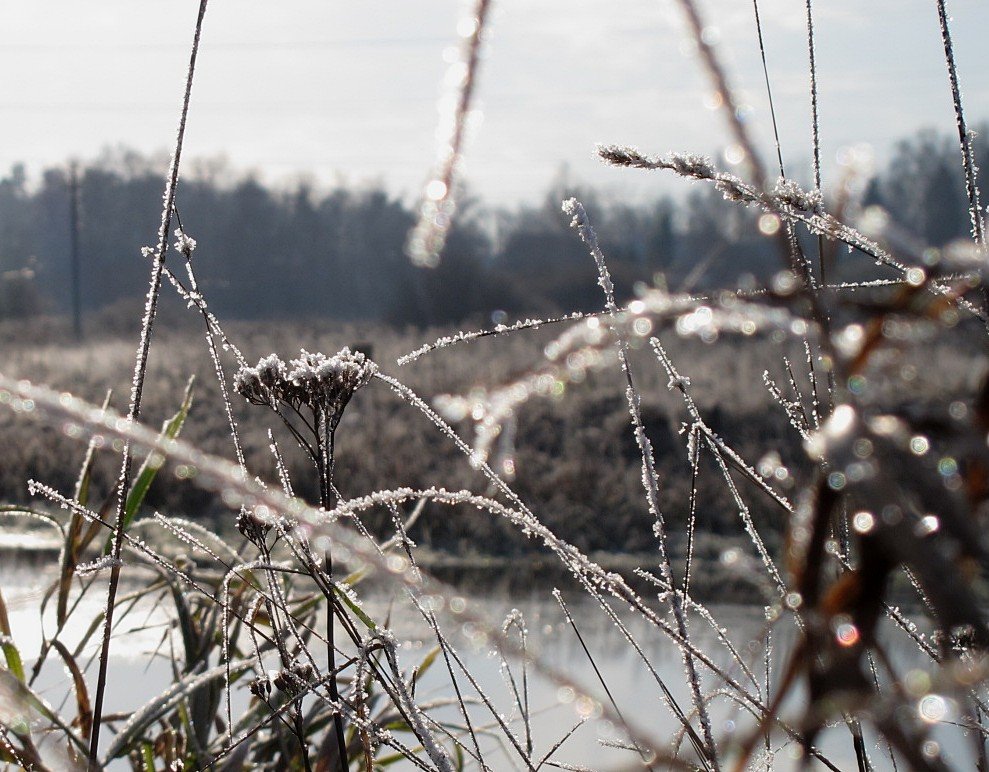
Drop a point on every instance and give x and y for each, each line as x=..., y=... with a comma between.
x=19, y=705
x=149, y=469
x=358, y=612
x=427, y=662
x=10, y=651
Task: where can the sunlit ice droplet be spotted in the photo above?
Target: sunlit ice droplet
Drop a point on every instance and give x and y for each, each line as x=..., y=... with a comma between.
x=928, y=524
x=467, y=27
x=863, y=522
x=769, y=224
x=435, y=190
x=932, y=708
x=847, y=634
x=734, y=154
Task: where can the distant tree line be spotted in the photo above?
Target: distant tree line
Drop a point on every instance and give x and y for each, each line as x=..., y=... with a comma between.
x=269, y=253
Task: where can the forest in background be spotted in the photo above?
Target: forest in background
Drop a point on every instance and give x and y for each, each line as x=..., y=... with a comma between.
x=270, y=253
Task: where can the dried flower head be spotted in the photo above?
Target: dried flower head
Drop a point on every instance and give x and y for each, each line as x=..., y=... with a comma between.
x=313, y=380
x=294, y=679
x=252, y=527
x=261, y=687
x=261, y=385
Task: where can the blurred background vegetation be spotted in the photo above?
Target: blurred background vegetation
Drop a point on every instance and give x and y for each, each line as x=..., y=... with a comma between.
x=300, y=252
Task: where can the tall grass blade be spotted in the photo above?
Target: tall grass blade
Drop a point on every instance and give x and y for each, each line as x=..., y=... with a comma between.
x=84, y=711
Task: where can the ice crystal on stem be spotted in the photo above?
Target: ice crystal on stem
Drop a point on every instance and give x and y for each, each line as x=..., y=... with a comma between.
x=184, y=243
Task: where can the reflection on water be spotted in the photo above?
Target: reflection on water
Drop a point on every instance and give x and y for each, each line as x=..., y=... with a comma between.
x=141, y=668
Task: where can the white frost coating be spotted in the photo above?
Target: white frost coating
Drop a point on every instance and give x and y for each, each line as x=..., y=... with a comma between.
x=137, y=383
x=790, y=407
x=194, y=299
x=720, y=451
x=580, y=222
x=312, y=379
x=435, y=750
x=790, y=193
x=184, y=244
x=114, y=563
x=680, y=382
x=17, y=394
x=465, y=336
x=788, y=200
x=95, y=566
x=586, y=346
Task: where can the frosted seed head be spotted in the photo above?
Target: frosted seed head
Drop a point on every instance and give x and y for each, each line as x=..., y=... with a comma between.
x=313, y=380
x=329, y=382
x=261, y=385
x=261, y=687
x=252, y=527
x=287, y=681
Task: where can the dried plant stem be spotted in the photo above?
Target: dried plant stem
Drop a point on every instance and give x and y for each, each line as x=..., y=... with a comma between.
x=815, y=126
x=720, y=79
x=650, y=478
x=604, y=684
x=401, y=536
x=589, y=574
x=789, y=245
x=789, y=204
x=769, y=89
x=137, y=389
x=814, y=118
x=428, y=236
x=213, y=330
x=325, y=462
x=17, y=393
x=964, y=135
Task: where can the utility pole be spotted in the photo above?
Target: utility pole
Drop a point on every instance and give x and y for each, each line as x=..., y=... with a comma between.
x=74, y=272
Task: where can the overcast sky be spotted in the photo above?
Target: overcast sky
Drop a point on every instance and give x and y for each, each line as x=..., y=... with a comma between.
x=320, y=89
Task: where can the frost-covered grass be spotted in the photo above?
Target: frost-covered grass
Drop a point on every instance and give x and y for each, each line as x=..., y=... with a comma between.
x=838, y=432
